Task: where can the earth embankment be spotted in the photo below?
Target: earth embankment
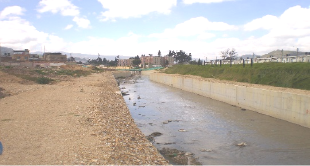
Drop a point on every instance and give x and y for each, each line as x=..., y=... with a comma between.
x=79, y=121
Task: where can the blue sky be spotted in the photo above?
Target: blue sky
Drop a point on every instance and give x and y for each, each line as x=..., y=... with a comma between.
x=135, y=27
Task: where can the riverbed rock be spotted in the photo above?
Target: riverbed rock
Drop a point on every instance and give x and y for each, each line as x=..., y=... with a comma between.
x=242, y=144
x=188, y=154
x=206, y=150
x=179, y=157
x=151, y=136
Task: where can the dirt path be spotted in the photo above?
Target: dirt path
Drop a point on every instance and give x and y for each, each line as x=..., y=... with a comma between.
x=81, y=121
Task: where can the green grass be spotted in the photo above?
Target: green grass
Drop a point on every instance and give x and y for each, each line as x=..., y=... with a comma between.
x=42, y=72
x=43, y=80
x=39, y=80
x=291, y=75
x=74, y=73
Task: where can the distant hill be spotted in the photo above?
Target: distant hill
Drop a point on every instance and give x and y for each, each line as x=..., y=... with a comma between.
x=278, y=54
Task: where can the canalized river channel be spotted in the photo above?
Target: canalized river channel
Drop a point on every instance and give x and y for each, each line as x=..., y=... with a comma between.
x=214, y=132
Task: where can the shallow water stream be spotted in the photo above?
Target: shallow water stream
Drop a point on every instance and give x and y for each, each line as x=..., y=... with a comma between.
x=215, y=132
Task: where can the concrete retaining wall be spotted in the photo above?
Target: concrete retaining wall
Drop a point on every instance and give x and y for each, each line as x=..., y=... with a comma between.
x=283, y=105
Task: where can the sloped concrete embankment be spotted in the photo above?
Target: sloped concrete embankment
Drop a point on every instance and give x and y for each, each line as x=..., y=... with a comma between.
x=292, y=107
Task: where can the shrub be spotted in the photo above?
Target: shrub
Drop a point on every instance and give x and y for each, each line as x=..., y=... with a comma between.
x=43, y=80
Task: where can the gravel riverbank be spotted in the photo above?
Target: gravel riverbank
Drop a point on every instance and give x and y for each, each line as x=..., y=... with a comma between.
x=79, y=121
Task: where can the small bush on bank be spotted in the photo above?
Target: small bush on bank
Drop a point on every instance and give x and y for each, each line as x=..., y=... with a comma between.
x=44, y=80
x=74, y=73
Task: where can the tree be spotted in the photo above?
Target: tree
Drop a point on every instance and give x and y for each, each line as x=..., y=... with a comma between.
x=224, y=54
x=182, y=57
x=137, y=61
x=232, y=54
x=71, y=59
x=104, y=61
x=159, y=53
x=199, y=62
x=99, y=60
x=229, y=54
x=193, y=62
x=171, y=53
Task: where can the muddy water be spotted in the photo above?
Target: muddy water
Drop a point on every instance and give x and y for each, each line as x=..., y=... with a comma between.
x=215, y=132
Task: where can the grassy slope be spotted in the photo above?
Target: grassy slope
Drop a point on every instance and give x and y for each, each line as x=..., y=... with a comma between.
x=291, y=75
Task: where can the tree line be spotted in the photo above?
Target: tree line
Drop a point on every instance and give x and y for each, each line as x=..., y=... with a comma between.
x=180, y=56
x=104, y=61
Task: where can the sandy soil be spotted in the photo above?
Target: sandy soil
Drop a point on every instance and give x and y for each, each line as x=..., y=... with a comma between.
x=80, y=121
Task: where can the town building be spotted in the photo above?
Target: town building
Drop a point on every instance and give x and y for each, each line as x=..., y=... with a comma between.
x=55, y=57
x=156, y=61
x=20, y=55
x=125, y=62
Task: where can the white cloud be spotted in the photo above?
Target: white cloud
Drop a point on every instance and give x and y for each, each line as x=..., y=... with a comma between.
x=293, y=19
x=134, y=8
x=195, y=26
x=105, y=46
x=18, y=33
x=288, y=31
x=267, y=22
x=11, y=11
x=82, y=22
x=203, y=1
x=68, y=27
x=65, y=8
x=204, y=36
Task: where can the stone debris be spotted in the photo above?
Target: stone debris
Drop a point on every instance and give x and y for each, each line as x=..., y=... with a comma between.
x=126, y=142
x=242, y=144
x=151, y=136
x=205, y=150
x=179, y=157
x=182, y=130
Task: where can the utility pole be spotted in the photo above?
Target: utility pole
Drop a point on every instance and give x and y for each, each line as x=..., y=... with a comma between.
x=282, y=55
x=297, y=51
